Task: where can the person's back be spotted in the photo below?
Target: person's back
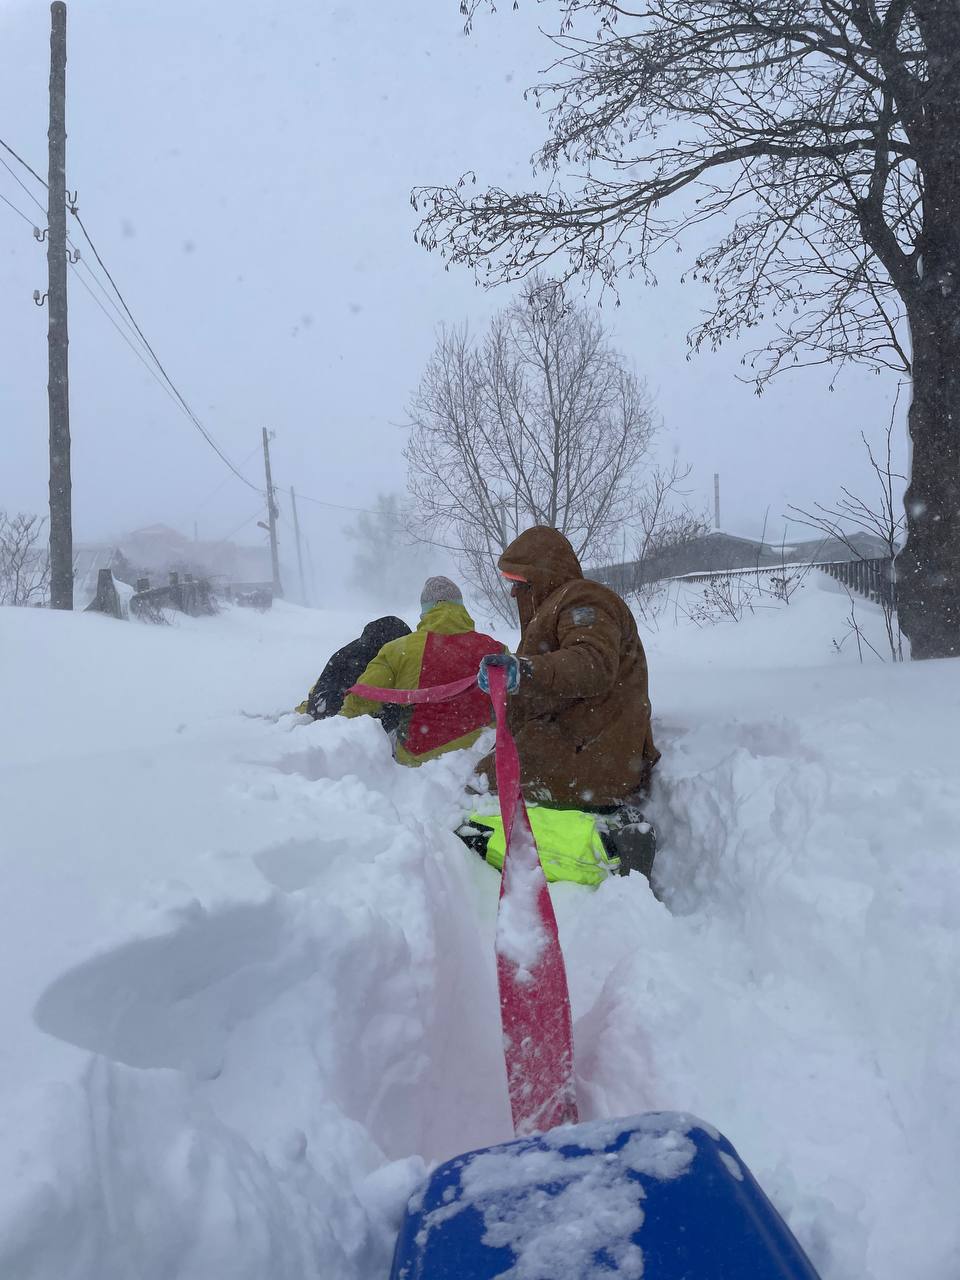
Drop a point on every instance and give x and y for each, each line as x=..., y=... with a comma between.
x=346, y=666
x=445, y=647
x=581, y=712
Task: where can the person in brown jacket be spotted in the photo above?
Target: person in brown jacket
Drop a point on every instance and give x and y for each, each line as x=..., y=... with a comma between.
x=580, y=712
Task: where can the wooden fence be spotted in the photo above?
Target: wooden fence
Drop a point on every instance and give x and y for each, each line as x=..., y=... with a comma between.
x=187, y=595
x=873, y=579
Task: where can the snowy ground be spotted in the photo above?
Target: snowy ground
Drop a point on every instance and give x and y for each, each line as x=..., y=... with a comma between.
x=247, y=985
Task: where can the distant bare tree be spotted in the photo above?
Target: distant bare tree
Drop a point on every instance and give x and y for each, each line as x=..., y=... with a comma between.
x=24, y=560
x=664, y=525
x=821, y=139
x=388, y=560
x=539, y=422
x=880, y=516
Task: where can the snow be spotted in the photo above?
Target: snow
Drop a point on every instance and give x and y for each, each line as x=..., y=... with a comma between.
x=248, y=985
x=521, y=935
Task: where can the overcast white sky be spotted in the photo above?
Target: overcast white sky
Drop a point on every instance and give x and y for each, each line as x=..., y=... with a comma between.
x=245, y=170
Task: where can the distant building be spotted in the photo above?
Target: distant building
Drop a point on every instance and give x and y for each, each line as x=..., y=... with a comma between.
x=159, y=550
x=156, y=551
x=714, y=552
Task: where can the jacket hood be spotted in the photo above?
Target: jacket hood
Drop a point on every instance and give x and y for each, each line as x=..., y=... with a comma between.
x=382, y=630
x=447, y=619
x=545, y=558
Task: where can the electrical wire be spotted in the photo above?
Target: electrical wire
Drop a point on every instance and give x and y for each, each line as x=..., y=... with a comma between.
x=176, y=391
x=93, y=275
x=128, y=319
x=142, y=336
x=136, y=351
x=111, y=301
x=197, y=507
x=243, y=524
x=18, y=212
x=339, y=506
x=7, y=147
x=23, y=186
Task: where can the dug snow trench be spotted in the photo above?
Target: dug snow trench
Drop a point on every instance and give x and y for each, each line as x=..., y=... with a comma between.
x=249, y=987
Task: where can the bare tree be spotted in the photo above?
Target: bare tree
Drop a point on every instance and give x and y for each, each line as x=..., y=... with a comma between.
x=664, y=525
x=388, y=561
x=539, y=422
x=823, y=138
x=880, y=516
x=24, y=560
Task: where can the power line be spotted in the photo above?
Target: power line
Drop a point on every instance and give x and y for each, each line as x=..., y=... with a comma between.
x=111, y=301
x=189, y=412
x=18, y=212
x=339, y=506
x=243, y=524
x=23, y=186
x=382, y=515
x=136, y=351
x=165, y=383
x=143, y=338
x=128, y=319
x=93, y=275
x=199, y=506
x=7, y=147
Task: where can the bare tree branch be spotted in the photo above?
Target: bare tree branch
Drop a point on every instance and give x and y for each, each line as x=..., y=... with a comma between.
x=539, y=422
x=24, y=560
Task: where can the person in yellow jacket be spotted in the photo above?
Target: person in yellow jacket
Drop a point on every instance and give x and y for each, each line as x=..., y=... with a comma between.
x=445, y=647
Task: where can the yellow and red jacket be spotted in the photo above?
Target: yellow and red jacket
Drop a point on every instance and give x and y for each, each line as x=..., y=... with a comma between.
x=445, y=647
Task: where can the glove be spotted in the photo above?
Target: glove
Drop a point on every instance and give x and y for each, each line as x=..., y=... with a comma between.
x=507, y=660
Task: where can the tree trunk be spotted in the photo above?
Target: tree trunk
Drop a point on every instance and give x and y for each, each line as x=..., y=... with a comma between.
x=928, y=569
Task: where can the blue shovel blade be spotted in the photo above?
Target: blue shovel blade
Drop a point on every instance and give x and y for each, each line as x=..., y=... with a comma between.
x=654, y=1197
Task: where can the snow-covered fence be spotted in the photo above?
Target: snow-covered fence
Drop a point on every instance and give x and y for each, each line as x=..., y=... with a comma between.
x=873, y=579
x=107, y=600
x=250, y=595
x=187, y=595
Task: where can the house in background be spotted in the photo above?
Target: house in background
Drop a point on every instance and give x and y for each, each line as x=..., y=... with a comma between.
x=717, y=551
x=157, y=551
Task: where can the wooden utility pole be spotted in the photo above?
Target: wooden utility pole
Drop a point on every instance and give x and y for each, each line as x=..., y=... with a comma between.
x=296, y=531
x=58, y=392
x=313, y=576
x=716, y=499
x=273, y=511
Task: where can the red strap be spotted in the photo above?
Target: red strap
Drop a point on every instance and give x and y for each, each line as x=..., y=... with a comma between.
x=534, y=1000
x=411, y=697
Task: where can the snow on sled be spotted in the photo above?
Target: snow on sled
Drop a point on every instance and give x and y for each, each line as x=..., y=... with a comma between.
x=660, y=1196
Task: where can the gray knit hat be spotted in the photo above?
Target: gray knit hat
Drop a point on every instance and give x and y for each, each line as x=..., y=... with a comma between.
x=439, y=590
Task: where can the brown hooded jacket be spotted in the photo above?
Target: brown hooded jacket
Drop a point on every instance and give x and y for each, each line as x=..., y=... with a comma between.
x=581, y=716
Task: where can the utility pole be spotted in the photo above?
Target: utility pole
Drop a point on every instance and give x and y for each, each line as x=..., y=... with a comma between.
x=273, y=511
x=296, y=530
x=58, y=392
x=716, y=499
x=313, y=576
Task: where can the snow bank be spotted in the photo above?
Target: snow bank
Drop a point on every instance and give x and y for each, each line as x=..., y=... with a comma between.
x=248, y=986
x=245, y=992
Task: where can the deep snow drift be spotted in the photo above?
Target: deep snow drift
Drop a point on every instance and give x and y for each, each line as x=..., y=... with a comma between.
x=248, y=983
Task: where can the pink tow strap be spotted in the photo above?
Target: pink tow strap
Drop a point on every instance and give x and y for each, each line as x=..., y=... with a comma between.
x=534, y=1000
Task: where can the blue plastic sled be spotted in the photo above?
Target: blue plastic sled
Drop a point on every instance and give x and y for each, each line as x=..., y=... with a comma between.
x=661, y=1196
